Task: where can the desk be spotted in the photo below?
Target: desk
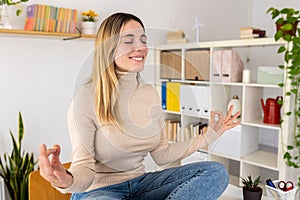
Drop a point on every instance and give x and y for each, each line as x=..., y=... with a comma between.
x=235, y=193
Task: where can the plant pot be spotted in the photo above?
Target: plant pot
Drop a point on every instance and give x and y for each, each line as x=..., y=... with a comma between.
x=88, y=28
x=291, y=32
x=4, y=17
x=252, y=195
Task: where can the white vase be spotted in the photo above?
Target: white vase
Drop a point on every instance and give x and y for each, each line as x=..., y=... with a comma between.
x=235, y=101
x=88, y=28
x=4, y=17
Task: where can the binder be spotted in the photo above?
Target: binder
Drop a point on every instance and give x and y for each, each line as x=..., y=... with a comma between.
x=173, y=96
x=164, y=95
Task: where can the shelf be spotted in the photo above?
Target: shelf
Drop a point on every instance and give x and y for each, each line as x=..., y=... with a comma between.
x=40, y=34
x=196, y=116
x=259, y=123
x=172, y=112
x=262, y=159
x=222, y=44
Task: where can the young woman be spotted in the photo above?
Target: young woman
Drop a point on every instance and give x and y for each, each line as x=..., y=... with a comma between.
x=115, y=120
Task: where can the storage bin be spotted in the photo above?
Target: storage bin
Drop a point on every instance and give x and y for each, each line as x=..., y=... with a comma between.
x=269, y=75
x=170, y=64
x=226, y=66
x=197, y=64
x=194, y=100
x=276, y=193
x=234, y=143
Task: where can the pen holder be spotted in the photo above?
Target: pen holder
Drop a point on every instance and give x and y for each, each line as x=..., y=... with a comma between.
x=277, y=193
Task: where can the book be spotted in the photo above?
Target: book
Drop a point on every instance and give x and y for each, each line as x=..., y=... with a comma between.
x=245, y=32
x=30, y=20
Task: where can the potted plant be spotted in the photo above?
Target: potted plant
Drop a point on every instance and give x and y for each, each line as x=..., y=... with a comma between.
x=4, y=18
x=88, y=22
x=251, y=190
x=16, y=167
x=290, y=33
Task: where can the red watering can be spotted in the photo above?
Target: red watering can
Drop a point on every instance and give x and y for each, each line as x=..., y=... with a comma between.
x=271, y=110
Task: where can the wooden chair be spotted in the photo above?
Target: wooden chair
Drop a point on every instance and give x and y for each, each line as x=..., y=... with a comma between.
x=40, y=189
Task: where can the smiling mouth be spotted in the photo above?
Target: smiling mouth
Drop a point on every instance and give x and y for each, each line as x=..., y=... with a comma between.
x=137, y=58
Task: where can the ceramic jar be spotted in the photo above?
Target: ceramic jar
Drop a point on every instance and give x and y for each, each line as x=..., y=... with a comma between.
x=235, y=101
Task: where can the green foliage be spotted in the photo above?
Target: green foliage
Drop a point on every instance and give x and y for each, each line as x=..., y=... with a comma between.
x=249, y=184
x=288, y=19
x=16, y=166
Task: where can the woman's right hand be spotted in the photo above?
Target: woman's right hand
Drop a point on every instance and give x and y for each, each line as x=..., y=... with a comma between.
x=52, y=170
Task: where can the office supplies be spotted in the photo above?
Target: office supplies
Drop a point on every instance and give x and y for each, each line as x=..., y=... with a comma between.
x=285, y=186
x=270, y=183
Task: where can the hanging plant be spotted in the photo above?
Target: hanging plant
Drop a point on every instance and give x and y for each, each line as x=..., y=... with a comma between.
x=287, y=29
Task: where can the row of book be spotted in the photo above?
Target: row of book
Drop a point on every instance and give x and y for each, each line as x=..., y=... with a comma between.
x=174, y=133
x=51, y=19
x=250, y=32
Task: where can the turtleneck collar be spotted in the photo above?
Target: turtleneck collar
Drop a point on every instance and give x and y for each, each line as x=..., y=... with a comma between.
x=128, y=81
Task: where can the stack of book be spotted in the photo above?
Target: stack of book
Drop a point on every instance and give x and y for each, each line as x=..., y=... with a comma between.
x=176, y=37
x=51, y=19
x=250, y=32
x=173, y=131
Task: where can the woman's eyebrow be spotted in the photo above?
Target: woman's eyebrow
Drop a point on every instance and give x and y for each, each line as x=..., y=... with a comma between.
x=128, y=35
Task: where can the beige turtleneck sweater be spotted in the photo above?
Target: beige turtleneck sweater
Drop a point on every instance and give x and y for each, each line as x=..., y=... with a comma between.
x=103, y=155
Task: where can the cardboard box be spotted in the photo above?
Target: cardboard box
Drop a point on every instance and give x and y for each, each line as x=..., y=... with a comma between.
x=269, y=75
x=197, y=64
x=170, y=64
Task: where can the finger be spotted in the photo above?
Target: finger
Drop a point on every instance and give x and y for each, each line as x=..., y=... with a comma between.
x=56, y=154
x=228, y=116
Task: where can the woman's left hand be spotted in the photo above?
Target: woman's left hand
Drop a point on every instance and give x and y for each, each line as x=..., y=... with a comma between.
x=221, y=124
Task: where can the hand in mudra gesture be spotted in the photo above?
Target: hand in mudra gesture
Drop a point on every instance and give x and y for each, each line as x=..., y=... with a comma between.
x=52, y=169
x=221, y=124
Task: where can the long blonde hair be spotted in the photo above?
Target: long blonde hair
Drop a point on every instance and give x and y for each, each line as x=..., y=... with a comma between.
x=104, y=75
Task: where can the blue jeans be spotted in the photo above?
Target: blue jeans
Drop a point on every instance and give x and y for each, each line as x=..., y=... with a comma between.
x=202, y=180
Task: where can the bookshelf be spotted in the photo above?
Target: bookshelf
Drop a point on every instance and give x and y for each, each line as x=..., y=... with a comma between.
x=40, y=34
x=253, y=147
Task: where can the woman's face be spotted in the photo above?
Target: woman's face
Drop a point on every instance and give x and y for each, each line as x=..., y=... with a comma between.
x=132, y=50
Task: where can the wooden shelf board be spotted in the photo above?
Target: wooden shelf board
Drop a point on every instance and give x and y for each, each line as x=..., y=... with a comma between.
x=259, y=123
x=221, y=44
x=262, y=159
x=15, y=32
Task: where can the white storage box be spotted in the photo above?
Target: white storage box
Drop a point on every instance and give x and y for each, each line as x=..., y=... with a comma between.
x=276, y=193
x=269, y=75
x=234, y=143
x=194, y=100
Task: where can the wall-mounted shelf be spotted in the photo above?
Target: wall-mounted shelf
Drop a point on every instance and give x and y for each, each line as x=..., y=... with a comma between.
x=40, y=34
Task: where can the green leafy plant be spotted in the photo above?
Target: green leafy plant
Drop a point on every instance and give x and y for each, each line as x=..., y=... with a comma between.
x=289, y=18
x=13, y=3
x=16, y=167
x=251, y=185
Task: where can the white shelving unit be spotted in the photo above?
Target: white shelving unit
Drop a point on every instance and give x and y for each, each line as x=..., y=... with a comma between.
x=249, y=140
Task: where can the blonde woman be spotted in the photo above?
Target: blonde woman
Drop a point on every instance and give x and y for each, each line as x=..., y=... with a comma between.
x=115, y=120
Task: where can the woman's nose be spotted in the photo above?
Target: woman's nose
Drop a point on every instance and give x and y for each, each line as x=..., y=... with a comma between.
x=139, y=46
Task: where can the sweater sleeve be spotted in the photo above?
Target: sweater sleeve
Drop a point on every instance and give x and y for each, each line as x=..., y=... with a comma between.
x=82, y=131
x=167, y=152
